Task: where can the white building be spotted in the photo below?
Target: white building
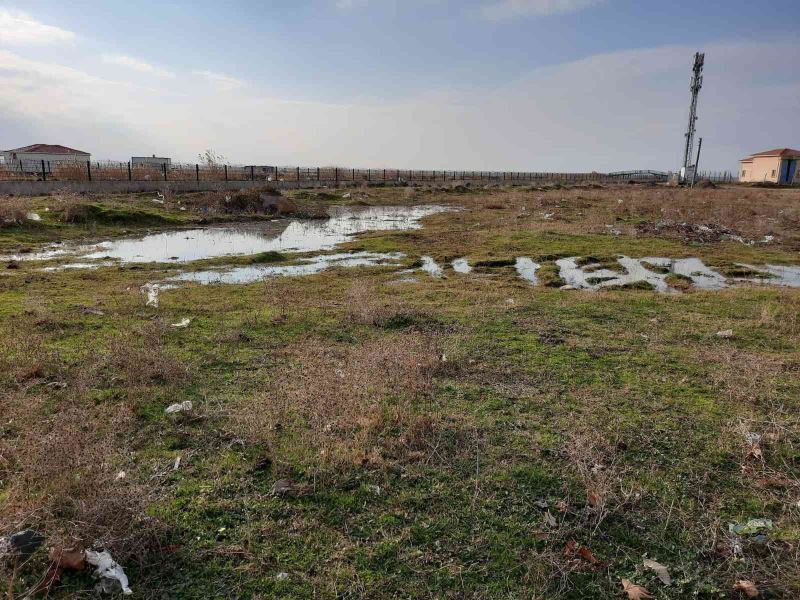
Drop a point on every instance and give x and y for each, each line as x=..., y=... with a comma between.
x=29, y=158
x=150, y=161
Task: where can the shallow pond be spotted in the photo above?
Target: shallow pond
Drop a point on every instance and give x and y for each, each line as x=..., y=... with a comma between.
x=244, y=239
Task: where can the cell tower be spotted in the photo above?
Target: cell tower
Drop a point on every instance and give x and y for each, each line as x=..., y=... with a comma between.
x=695, y=87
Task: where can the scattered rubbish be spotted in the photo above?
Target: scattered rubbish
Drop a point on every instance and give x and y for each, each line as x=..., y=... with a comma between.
x=567, y=287
x=767, y=239
x=177, y=464
x=120, y=475
x=23, y=543
x=752, y=527
x=660, y=570
x=431, y=268
x=748, y=587
x=182, y=323
x=92, y=311
x=151, y=289
x=725, y=334
x=112, y=577
x=282, y=576
x=32, y=216
x=548, y=216
x=184, y=406
x=461, y=265
x=526, y=269
x=346, y=195
x=375, y=489
x=753, y=441
x=635, y=592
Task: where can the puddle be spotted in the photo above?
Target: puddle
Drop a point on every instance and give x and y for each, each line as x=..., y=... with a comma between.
x=527, y=269
x=461, y=265
x=635, y=271
x=242, y=239
x=784, y=276
x=306, y=266
x=431, y=268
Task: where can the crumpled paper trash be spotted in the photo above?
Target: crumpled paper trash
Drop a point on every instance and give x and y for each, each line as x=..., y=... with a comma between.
x=111, y=575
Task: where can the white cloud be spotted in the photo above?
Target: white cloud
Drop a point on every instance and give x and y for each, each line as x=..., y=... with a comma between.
x=137, y=65
x=506, y=10
x=19, y=28
x=617, y=111
x=222, y=82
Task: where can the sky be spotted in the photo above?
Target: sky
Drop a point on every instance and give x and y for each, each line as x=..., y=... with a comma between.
x=518, y=85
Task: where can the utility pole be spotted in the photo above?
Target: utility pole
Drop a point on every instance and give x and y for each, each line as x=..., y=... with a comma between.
x=695, y=87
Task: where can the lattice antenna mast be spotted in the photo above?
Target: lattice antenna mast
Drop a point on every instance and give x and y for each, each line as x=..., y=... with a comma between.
x=695, y=87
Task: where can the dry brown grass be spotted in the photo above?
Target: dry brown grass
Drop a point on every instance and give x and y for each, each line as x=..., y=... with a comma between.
x=750, y=212
x=351, y=405
x=12, y=210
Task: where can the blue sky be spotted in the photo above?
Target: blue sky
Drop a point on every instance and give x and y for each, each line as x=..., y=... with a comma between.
x=478, y=84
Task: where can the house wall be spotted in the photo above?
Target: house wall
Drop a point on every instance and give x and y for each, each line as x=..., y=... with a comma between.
x=762, y=168
x=32, y=161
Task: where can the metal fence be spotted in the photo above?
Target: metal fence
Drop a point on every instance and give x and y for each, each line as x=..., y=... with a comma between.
x=125, y=171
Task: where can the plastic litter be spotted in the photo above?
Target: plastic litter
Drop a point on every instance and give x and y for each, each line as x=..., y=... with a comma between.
x=282, y=576
x=23, y=543
x=725, y=334
x=179, y=407
x=182, y=323
x=111, y=575
x=151, y=289
x=752, y=527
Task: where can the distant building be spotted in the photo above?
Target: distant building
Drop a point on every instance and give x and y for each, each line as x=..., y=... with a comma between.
x=29, y=158
x=150, y=161
x=776, y=166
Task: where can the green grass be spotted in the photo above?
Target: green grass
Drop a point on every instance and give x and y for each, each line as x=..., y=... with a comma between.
x=544, y=395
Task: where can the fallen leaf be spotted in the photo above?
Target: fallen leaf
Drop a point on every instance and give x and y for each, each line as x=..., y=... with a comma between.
x=661, y=570
x=593, y=498
x=635, y=592
x=569, y=549
x=748, y=587
x=587, y=555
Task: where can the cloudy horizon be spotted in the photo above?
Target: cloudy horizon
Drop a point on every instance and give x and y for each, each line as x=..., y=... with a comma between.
x=542, y=85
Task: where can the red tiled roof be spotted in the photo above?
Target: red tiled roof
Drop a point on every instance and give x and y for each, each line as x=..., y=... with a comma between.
x=48, y=149
x=782, y=152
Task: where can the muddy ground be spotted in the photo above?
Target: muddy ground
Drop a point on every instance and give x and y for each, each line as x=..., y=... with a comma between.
x=465, y=436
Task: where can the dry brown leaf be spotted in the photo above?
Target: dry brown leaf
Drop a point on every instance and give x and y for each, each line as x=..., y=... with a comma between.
x=635, y=592
x=569, y=549
x=748, y=587
x=661, y=570
x=593, y=498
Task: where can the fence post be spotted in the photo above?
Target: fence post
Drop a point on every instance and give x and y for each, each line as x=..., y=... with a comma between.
x=89, y=169
x=354, y=175
x=336, y=176
x=253, y=176
x=196, y=172
x=44, y=175
x=164, y=168
x=226, y=172
x=130, y=175
x=317, y=173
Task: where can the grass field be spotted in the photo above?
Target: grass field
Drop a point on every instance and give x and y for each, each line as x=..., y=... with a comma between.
x=465, y=437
